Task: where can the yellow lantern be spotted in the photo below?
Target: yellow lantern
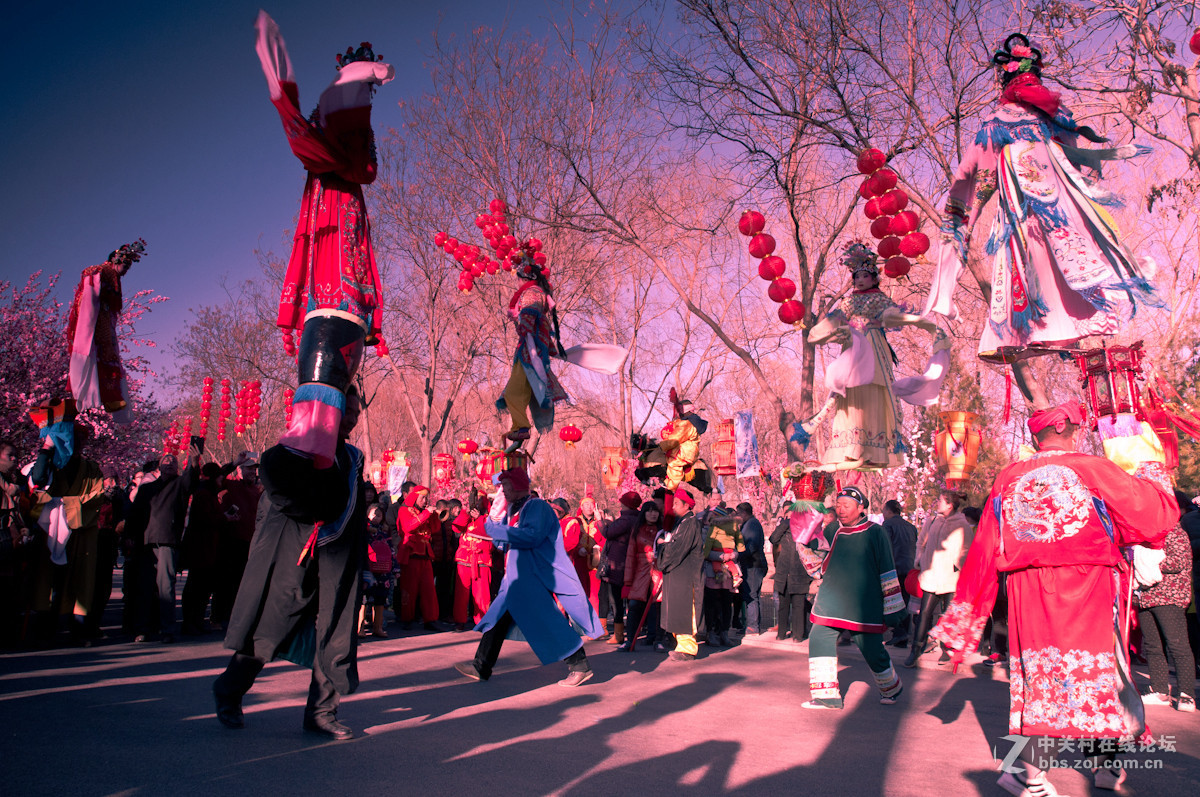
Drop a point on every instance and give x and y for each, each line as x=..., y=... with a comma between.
x=957, y=445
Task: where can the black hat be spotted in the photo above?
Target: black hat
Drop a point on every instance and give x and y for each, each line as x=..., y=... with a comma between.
x=850, y=491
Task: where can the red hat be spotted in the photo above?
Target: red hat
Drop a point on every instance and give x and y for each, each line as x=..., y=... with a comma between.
x=631, y=500
x=410, y=498
x=517, y=477
x=685, y=497
x=1067, y=412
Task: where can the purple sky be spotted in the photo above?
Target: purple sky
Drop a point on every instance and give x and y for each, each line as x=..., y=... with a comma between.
x=142, y=119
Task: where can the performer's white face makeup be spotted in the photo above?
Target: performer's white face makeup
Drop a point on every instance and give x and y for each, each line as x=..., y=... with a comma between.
x=865, y=280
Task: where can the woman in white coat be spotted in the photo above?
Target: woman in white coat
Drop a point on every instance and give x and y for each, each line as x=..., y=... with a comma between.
x=941, y=549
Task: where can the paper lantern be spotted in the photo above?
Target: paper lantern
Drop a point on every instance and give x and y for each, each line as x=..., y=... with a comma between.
x=957, y=445
x=871, y=160
x=724, y=450
x=914, y=244
x=885, y=180
x=868, y=190
x=889, y=247
x=751, y=223
x=610, y=467
x=871, y=209
x=903, y=223
x=771, y=268
x=467, y=448
x=497, y=205
x=762, y=245
x=439, y=239
x=1194, y=42
x=791, y=312
x=570, y=435
x=443, y=468
x=1110, y=376
x=893, y=201
x=781, y=290
x=881, y=226
x=896, y=267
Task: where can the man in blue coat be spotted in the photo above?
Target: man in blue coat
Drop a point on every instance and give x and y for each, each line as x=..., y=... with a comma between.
x=537, y=570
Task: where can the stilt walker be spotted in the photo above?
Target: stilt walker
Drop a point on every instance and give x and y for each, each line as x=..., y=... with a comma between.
x=331, y=289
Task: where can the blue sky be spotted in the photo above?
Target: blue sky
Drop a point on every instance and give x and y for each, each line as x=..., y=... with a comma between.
x=152, y=120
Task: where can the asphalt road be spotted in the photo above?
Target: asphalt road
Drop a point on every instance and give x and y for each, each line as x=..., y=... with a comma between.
x=129, y=719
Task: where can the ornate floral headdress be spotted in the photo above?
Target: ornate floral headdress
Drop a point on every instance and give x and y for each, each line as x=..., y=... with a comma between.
x=363, y=53
x=860, y=257
x=1017, y=57
x=128, y=254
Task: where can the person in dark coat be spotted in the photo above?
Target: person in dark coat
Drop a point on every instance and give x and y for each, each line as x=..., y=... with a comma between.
x=160, y=510
x=302, y=577
x=903, y=536
x=681, y=561
x=200, y=549
x=792, y=583
x=753, y=563
x=617, y=536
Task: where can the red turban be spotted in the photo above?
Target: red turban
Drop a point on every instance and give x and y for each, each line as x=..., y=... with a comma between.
x=1068, y=412
x=410, y=499
x=517, y=477
x=685, y=497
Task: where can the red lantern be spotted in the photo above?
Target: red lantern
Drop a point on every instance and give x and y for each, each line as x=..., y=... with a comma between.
x=914, y=244
x=724, y=450
x=751, y=223
x=1194, y=42
x=467, y=448
x=771, y=268
x=881, y=226
x=482, y=221
x=781, y=290
x=570, y=435
x=868, y=190
x=762, y=245
x=871, y=209
x=889, y=247
x=893, y=201
x=903, y=223
x=1110, y=374
x=871, y=160
x=443, y=468
x=439, y=238
x=897, y=267
x=466, y=282
x=497, y=205
x=791, y=312
x=885, y=180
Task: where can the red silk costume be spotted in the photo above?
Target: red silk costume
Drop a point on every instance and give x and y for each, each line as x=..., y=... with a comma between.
x=1053, y=523
x=417, y=527
x=474, y=560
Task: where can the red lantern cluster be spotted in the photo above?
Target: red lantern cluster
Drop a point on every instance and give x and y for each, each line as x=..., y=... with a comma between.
x=506, y=249
x=289, y=342
x=249, y=404
x=185, y=435
x=171, y=438
x=223, y=414
x=771, y=267
x=205, y=405
x=570, y=435
x=289, y=396
x=894, y=227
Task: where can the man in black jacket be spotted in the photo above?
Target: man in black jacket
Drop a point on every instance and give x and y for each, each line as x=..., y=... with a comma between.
x=299, y=596
x=681, y=561
x=904, y=546
x=792, y=582
x=159, y=512
x=753, y=563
